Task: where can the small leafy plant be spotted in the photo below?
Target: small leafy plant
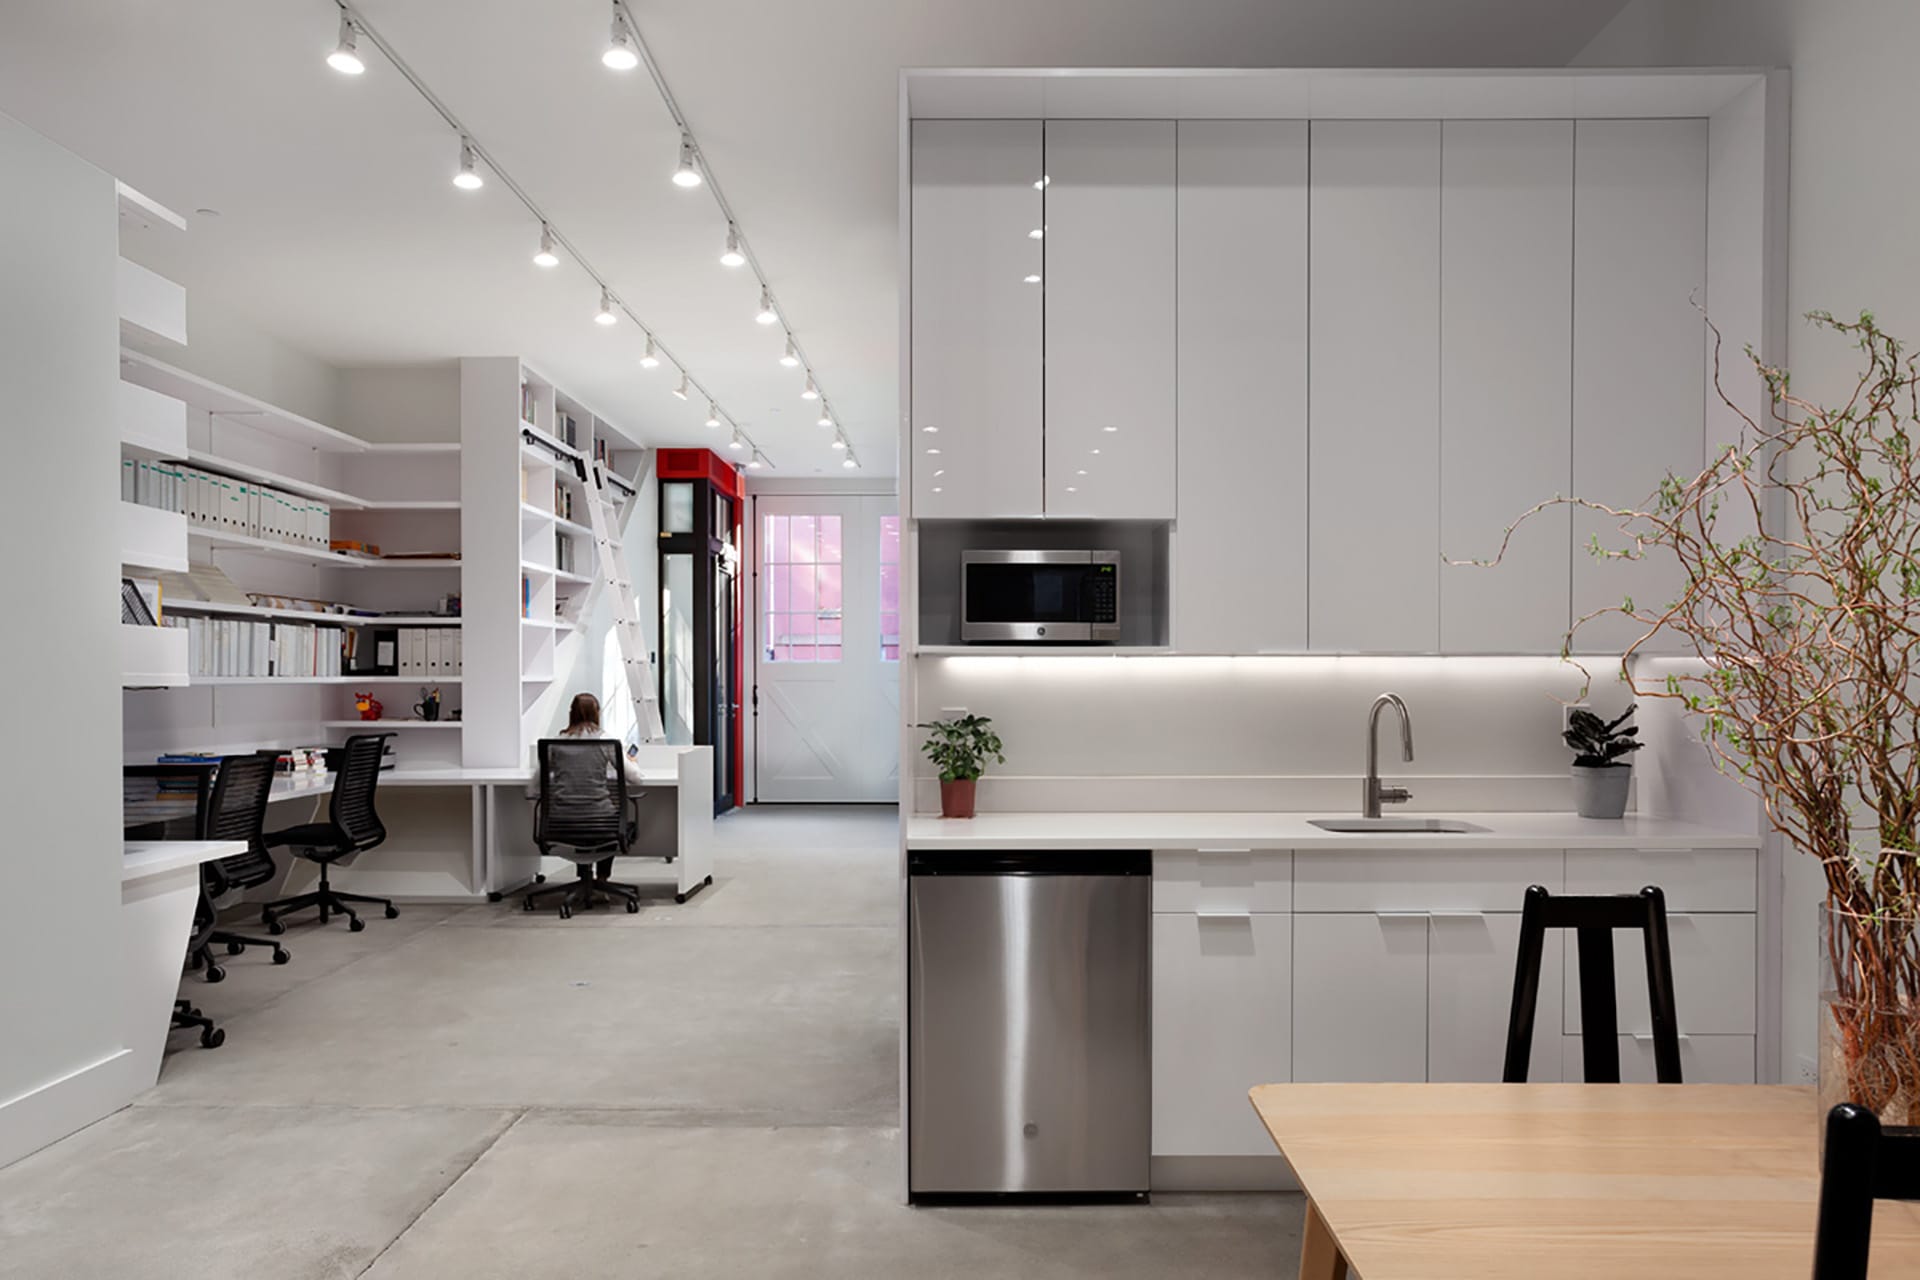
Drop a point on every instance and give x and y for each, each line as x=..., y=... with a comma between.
x=1599, y=744
x=961, y=747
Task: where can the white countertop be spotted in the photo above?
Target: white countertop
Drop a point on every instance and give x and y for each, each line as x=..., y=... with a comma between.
x=1286, y=831
x=145, y=858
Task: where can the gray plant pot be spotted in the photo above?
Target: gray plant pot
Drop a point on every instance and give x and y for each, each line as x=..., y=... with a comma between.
x=1601, y=793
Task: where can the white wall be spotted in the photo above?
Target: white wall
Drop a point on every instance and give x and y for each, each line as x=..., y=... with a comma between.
x=60, y=1003
x=233, y=350
x=403, y=403
x=1853, y=187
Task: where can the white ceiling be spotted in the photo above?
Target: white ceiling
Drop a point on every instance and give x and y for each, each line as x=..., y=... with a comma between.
x=341, y=234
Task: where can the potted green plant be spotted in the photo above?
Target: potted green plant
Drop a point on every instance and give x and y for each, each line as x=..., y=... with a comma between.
x=1798, y=558
x=1600, y=775
x=960, y=748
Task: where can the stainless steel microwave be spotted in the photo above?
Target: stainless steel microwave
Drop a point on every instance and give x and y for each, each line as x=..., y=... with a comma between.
x=1045, y=597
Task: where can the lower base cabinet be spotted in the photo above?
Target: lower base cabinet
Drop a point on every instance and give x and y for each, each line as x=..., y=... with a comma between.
x=1470, y=971
x=1360, y=997
x=1222, y=995
x=1703, y=1059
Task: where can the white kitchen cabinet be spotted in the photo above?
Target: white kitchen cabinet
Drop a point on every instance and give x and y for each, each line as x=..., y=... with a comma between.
x=1240, y=546
x=976, y=363
x=1222, y=994
x=1721, y=880
x=1374, y=387
x=1703, y=1060
x=1506, y=370
x=1219, y=879
x=1714, y=963
x=1360, y=997
x=1110, y=307
x=1471, y=957
x=1451, y=879
x=1639, y=350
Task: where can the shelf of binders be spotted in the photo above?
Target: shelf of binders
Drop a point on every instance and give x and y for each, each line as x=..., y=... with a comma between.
x=360, y=678
x=309, y=615
x=392, y=724
x=267, y=546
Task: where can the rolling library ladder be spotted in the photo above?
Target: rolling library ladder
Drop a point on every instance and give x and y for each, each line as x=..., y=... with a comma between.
x=611, y=564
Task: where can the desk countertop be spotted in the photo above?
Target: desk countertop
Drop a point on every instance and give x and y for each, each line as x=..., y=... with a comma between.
x=1291, y=831
x=145, y=858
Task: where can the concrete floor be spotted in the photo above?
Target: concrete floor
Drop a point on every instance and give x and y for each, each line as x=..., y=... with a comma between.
x=699, y=1091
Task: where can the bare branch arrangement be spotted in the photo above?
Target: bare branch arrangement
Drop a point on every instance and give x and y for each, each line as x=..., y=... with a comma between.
x=1807, y=627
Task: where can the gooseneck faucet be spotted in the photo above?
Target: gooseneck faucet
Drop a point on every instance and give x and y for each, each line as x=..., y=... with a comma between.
x=1373, y=795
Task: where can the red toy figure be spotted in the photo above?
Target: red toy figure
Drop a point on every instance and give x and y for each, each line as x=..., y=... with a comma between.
x=367, y=705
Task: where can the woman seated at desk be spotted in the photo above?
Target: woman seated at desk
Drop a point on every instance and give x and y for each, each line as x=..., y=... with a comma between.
x=583, y=721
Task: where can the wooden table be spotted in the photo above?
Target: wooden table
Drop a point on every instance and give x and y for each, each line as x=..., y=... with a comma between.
x=1567, y=1181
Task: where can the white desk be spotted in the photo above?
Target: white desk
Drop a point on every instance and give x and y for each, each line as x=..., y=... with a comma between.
x=159, y=886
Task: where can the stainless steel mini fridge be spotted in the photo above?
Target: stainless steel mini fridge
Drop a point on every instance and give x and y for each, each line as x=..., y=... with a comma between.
x=1029, y=1014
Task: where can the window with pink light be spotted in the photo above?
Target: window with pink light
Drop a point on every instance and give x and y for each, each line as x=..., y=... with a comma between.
x=800, y=588
x=890, y=588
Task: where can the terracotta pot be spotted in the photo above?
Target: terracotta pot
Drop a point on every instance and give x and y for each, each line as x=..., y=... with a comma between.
x=956, y=797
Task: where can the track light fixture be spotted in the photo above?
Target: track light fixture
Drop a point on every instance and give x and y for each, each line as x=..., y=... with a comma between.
x=606, y=314
x=468, y=178
x=650, y=358
x=732, y=257
x=826, y=416
x=680, y=392
x=766, y=314
x=737, y=443
x=713, y=414
x=809, y=392
x=546, y=257
x=687, y=175
x=345, y=57
x=850, y=462
x=621, y=55
x=757, y=461
x=792, y=358
x=839, y=441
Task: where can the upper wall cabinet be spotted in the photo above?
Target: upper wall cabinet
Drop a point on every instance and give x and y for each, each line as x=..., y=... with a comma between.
x=1374, y=387
x=976, y=337
x=1240, y=547
x=1110, y=251
x=1506, y=370
x=1639, y=367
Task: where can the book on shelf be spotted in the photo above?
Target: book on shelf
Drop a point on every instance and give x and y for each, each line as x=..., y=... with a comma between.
x=243, y=648
x=526, y=402
x=204, y=583
x=526, y=596
x=140, y=602
x=226, y=504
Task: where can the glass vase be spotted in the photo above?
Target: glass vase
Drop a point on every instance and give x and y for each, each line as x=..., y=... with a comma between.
x=1870, y=1012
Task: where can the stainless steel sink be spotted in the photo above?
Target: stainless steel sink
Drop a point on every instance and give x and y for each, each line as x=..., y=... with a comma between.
x=1394, y=825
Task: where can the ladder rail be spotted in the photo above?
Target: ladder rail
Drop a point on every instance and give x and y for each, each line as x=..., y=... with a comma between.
x=610, y=564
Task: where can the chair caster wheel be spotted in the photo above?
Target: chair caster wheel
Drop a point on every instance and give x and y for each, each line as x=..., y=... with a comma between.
x=707, y=882
x=212, y=1037
x=215, y=973
x=494, y=897
x=393, y=912
x=235, y=948
x=275, y=928
x=281, y=955
x=566, y=912
x=633, y=908
x=356, y=924
x=539, y=879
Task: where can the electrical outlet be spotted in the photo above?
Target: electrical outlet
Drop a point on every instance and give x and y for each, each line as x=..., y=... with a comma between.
x=1567, y=710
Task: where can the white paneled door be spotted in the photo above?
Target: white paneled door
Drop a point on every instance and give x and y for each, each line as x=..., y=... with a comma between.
x=826, y=620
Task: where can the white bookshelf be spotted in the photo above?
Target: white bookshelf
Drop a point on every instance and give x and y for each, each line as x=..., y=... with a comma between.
x=288, y=682
x=152, y=540
x=153, y=657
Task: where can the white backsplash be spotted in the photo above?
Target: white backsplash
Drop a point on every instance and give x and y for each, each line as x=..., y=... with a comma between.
x=1263, y=733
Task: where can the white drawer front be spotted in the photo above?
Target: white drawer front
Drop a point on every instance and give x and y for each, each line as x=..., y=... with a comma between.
x=1222, y=1023
x=1222, y=879
x=1703, y=1060
x=1691, y=879
x=1444, y=878
x=1713, y=976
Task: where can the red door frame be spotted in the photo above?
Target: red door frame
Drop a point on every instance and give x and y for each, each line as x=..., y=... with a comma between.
x=705, y=464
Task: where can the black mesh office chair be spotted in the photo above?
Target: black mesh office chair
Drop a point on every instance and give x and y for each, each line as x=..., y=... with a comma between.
x=584, y=814
x=352, y=827
x=1863, y=1163
x=236, y=809
x=1593, y=920
x=185, y=1016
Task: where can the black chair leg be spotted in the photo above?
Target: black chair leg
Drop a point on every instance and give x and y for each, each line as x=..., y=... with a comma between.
x=186, y=1017
x=329, y=901
x=235, y=943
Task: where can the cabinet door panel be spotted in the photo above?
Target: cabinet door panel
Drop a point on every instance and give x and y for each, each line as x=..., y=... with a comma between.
x=1422, y=880
x=1223, y=982
x=1110, y=252
x=1703, y=1059
x=1373, y=529
x=1222, y=880
x=1470, y=963
x=1506, y=381
x=1639, y=354
x=1240, y=547
x=1360, y=998
x=1714, y=961
x=976, y=319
